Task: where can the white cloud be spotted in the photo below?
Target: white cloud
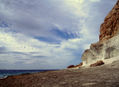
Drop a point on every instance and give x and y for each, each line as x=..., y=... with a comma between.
x=78, y=7
x=29, y=50
x=95, y=0
x=32, y=18
x=11, y=42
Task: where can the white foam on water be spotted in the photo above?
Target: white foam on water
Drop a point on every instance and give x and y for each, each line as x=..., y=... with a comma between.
x=3, y=77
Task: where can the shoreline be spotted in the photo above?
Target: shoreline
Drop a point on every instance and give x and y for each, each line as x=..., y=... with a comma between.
x=100, y=76
x=27, y=73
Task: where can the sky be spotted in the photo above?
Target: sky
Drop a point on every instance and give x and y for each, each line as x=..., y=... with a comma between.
x=48, y=34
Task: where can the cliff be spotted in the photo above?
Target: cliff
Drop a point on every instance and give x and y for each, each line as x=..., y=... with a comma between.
x=110, y=27
x=107, y=47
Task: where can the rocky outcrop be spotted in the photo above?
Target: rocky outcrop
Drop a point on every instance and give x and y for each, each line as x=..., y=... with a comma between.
x=108, y=45
x=75, y=66
x=79, y=65
x=101, y=51
x=98, y=63
x=110, y=27
x=71, y=66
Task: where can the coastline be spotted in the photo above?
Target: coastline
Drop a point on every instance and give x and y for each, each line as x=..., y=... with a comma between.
x=101, y=76
x=6, y=73
x=3, y=77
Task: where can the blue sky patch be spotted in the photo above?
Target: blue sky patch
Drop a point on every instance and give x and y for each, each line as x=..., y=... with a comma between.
x=63, y=34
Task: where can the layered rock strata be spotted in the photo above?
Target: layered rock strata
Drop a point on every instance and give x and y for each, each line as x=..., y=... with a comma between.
x=108, y=45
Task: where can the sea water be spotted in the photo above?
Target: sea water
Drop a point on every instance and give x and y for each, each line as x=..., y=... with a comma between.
x=5, y=73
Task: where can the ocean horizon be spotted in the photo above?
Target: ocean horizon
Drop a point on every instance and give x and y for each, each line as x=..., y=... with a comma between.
x=5, y=72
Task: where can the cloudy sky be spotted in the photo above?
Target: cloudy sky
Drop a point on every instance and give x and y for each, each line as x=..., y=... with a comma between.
x=48, y=34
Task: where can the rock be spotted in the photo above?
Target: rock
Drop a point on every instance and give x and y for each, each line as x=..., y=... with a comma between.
x=75, y=66
x=62, y=83
x=79, y=65
x=101, y=51
x=54, y=76
x=110, y=27
x=108, y=45
x=84, y=77
x=71, y=66
x=98, y=63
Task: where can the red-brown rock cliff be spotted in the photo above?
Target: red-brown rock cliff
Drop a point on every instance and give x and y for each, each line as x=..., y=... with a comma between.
x=110, y=27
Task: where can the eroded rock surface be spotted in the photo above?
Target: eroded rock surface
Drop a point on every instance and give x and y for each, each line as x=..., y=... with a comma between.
x=103, y=76
x=98, y=63
x=108, y=45
x=110, y=27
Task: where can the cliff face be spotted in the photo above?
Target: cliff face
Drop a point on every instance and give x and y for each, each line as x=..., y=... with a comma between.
x=108, y=45
x=110, y=27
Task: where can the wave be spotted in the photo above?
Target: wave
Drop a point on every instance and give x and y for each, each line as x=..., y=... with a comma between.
x=3, y=77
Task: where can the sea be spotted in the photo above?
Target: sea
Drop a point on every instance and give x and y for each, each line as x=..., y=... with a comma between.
x=6, y=73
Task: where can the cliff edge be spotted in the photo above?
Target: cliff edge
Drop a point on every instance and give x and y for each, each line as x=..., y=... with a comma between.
x=107, y=47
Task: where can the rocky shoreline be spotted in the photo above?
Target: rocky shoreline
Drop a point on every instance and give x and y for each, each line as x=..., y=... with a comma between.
x=99, y=67
x=100, y=76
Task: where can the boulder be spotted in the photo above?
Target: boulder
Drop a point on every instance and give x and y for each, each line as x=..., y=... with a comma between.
x=71, y=66
x=79, y=65
x=75, y=66
x=98, y=63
